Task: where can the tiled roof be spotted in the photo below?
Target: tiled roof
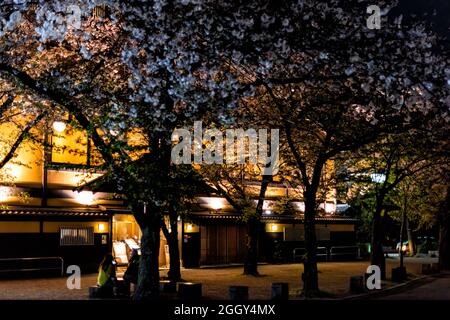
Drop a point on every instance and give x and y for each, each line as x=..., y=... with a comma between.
x=270, y=218
x=80, y=212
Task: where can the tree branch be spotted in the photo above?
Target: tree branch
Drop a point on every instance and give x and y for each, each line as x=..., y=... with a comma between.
x=21, y=137
x=71, y=106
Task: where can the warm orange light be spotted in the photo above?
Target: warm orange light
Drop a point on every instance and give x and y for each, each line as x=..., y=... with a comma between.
x=4, y=194
x=216, y=203
x=85, y=197
x=59, y=126
x=189, y=227
x=101, y=227
x=274, y=228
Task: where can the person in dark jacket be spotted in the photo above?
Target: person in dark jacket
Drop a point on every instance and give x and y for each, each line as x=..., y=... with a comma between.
x=131, y=274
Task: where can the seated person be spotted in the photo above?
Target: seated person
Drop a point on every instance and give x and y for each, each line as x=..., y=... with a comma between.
x=131, y=274
x=106, y=279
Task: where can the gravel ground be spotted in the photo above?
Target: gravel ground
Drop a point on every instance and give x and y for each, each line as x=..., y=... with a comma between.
x=333, y=278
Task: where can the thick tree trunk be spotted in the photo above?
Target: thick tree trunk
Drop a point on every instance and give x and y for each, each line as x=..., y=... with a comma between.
x=310, y=275
x=444, y=234
x=251, y=261
x=377, y=256
x=253, y=227
x=148, y=277
x=174, y=272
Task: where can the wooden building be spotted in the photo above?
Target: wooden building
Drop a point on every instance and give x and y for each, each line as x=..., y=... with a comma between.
x=45, y=223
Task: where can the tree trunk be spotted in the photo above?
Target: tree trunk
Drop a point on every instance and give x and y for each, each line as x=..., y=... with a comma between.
x=402, y=233
x=310, y=275
x=253, y=226
x=377, y=255
x=174, y=272
x=148, y=276
x=444, y=234
x=412, y=249
x=251, y=261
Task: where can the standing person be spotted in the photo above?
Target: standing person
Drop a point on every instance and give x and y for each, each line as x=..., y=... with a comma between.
x=131, y=274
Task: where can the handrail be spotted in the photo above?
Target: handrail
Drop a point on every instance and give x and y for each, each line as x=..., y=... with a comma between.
x=317, y=254
x=344, y=247
x=36, y=258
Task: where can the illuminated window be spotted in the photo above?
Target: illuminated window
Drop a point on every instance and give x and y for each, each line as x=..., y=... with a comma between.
x=70, y=236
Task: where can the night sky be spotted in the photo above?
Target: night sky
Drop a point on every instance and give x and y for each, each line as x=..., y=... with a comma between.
x=435, y=11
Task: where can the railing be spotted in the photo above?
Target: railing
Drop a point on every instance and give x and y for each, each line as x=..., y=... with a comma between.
x=30, y=269
x=345, y=251
x=387, y=250
x=320, y=252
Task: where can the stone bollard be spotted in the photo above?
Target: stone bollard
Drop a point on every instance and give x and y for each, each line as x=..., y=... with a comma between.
x=189, y=290
x=122, y=289
x=93, y=292
x=98, y=292
x=398, y=274
x=357, y=284
x=280, y=291
x=238, y=292
x=167, y=286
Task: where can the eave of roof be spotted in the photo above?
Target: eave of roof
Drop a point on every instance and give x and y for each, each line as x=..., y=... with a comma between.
x=272, y=218
x=30, y=211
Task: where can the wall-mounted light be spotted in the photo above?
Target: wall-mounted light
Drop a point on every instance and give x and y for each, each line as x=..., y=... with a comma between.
x=274, y=228
x=268, y=212
x=101, y=227
x=4, y=194
x=85, y=197
x=189, y=227
x=59, y=126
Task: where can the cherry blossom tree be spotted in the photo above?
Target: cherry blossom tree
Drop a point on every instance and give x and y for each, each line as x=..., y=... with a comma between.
x=384, y=166
x=332, y=83
x=117, y=67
